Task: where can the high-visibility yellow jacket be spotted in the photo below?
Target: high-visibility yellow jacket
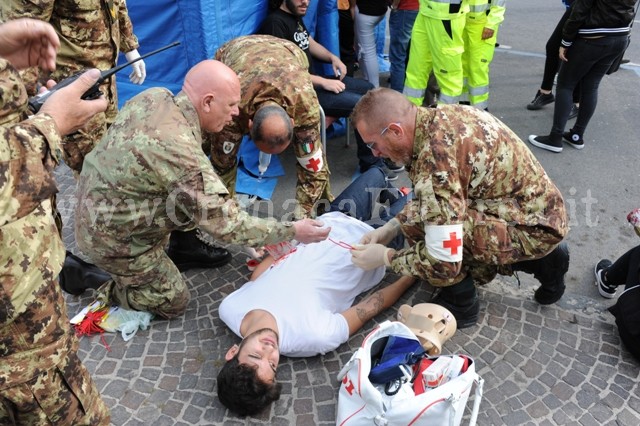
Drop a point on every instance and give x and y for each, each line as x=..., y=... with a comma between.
x=493, y=10
x=444, y=9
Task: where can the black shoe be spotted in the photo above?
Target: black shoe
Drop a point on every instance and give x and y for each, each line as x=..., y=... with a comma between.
x=77, y=275
x=574, y=111
x=187, y=251
x=462, y=301
x=540, y=100
x=555, y=265
x=605, y=290
x=545, y=142
x=573, y=139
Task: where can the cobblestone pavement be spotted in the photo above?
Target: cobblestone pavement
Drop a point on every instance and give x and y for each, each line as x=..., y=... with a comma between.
x=561, y=364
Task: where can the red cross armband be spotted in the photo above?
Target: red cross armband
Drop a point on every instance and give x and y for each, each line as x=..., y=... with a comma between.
x=313, y=162
x=444, y=242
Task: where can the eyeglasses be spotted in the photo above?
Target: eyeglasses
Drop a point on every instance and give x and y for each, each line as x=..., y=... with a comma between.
x=372, y=145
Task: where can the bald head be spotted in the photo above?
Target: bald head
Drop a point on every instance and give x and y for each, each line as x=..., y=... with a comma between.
x=214, y=90
x=381, y=106
x=271, y=128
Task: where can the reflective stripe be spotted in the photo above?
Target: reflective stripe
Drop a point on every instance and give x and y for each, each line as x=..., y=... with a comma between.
x=445, y=99
x=413, y=93
x=478, y=8
x=477, y=91
x=498, y=3
x=447, y=1
x=482, y=105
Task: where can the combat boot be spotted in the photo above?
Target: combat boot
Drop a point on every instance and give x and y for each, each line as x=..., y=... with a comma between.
x=77, y=275
x=461, y=300
x=187, y=251
x=550, y=271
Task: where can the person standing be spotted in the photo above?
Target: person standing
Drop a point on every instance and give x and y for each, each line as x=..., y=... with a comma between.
x=544, y=95
x=437, y=45
x=42, y=380
x=92, y=34
x=403, y=15
x=369, y=13
x=483, y=204
x=596, y=33
x=480, y=37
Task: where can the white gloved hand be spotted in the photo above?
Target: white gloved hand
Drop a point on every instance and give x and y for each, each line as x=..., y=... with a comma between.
x=139, y=72
x=370, y=256
x=382, y=235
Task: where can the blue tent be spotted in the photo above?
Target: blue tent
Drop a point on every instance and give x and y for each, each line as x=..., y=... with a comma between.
x=201, y=26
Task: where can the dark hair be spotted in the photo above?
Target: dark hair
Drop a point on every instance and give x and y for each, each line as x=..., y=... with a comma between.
x=241, y=391
x=265, y=113
x=275, y=4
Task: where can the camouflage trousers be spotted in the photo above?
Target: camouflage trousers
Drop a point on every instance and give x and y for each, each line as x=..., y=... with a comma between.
x=64, y=395
x=150, y=282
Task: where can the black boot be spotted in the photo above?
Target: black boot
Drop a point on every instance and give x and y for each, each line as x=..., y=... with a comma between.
x=550, y=271
x=461, y=300
x=187, y=251
x=77, y=275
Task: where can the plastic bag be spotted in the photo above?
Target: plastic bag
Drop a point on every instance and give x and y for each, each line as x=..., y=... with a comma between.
x=125, y=321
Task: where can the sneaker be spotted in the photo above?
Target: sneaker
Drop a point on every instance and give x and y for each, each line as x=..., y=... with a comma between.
x=541, y=100
x=396, y=168
x=390, y=175
x=605, y=290
x=574, y=111
x=573, y=139
x=545, y=142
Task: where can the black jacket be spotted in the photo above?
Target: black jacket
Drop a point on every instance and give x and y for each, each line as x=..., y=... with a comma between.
x=592, y=18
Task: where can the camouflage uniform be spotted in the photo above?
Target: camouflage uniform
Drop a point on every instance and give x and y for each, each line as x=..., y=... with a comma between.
x=469, y=168
x=274, y=70
x=147, y=177
x=42, y=380
x=92, y=33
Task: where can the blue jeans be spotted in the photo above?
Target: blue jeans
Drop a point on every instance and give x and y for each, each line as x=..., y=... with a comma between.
x=400, y=25
x=588, y=61
x=341, y=105
x=371, y=190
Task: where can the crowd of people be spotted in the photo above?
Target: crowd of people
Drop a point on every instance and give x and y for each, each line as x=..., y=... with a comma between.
x=157, y=175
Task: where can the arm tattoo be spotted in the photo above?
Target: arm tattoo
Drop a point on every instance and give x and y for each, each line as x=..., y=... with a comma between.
x=370, y=307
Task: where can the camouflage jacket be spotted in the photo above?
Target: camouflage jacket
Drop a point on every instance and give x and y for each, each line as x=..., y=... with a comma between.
x=149, y=176
x=275, y=70
x=469, y=168
x=34, y=328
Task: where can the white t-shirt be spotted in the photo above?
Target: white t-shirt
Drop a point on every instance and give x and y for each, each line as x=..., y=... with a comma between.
x=307, y=290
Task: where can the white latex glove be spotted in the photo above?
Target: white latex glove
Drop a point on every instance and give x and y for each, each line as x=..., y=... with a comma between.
x=370, y=256
x=139, y=72
x=382, y=235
